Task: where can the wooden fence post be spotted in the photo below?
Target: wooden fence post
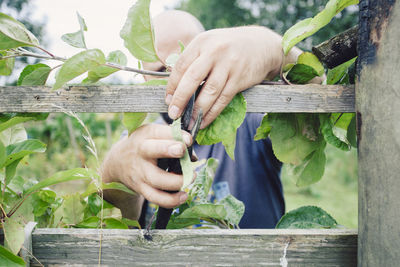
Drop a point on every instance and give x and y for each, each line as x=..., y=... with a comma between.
x=378, y=113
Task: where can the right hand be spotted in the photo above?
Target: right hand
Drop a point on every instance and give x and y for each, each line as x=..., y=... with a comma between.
x=133, y=162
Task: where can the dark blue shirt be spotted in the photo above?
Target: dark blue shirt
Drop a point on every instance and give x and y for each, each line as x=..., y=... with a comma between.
x=254, y=176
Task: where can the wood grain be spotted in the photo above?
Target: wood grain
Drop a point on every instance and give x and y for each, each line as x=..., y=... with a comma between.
x=124, y=98
x=258, y=247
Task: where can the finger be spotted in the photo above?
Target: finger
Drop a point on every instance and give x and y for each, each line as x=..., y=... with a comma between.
x=159, y=131
x=223, y=100
x=211, y=90
x=162, y=198
x=184, y=61
x=160, y=179
x=158, y=148
x=188, y=85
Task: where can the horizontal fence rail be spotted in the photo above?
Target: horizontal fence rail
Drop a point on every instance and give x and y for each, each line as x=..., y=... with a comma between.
x=258, y=247
x=135, y=98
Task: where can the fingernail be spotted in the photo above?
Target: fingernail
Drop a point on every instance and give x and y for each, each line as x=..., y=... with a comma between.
x=173, y=112
x=202, y=125
x=191, y=123
x=168, y=99
x=183, y=198
x=175, y=150
x=187, y=139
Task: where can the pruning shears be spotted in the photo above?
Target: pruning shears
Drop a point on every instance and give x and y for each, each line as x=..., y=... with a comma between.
x=173, y=165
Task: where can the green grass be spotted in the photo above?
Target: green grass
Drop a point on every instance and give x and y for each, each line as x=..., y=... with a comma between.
x=336, y=192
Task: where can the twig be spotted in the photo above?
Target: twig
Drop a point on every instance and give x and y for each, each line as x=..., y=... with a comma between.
x=144, y=72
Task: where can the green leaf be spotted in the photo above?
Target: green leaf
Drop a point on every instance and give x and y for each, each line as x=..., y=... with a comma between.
x=100, y=72
x=181, y=46
x=3, y=154
x=138, y=34
x=6, y=65
x=204, y=211
x=202, y=183
x=13, y=34
x=263, y=130
x=179, y=223
x=7, y=258
x=94, y=202
x=342, y=120
x=307, y=217
x=132, y=223
x=64, y=176
x=19, y=150
x=112, y=223
x=93, y=188
x=14, y=234
x=234, y=209
x=34, y=75
x=289, y=143
x=336, y=74
x=132, y=120
x=309, y=26
x=224, y=127
x=10, y=119
x=171, y=60
x=91, y=222
x=155, y=82
x=10, y=171
x=301, y=74
x=72, y=208
x=309, y=59
x=328, y=133
x=78, y=64
x=312, y=168
x=42, y=200
x=76, y=39
x=13, y=135
x=352, y=133
x=186, y=163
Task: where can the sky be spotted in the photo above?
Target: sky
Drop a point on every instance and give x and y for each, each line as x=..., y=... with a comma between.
x=104, y=19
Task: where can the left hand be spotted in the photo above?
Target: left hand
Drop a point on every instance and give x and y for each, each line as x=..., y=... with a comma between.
x=229, y=61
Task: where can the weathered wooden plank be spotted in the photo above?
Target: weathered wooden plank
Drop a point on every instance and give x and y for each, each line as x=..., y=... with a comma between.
x=80, y=247
x=378, y=98
x=261, y=98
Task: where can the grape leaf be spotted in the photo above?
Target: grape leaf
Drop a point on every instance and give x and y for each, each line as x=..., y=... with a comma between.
x=309, y=26
x=14, y=234
x=91, y=222
x=13, y=34
x=155, y=82
x=10, y=170
x=263, y=130
x=186, y=163
x=342, y=120
x=138, y=34
x=289, y=143
x=7, y=258
x=19, y=150
x=76, y=39
x=100, y=72
x=312, y=168
x=93, y=188
x=234, y=209
x=112, y=223
x=6, y=65
x=352, y=133
x=309, y=59
x=307, y=217
x=336, y=74
x=34, y=75
x=3, y=154
x=78, y=64
x=224, y=127
x=132, y=120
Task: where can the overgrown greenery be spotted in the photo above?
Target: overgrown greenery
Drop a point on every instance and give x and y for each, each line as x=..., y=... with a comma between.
x=298, y=139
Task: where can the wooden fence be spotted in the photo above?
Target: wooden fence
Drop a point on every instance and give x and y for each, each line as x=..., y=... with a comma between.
x=377, y=106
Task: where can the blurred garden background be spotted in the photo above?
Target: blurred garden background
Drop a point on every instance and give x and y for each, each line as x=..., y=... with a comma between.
x=336, y=192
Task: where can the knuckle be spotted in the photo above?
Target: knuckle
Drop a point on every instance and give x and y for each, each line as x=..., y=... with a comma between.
x=211, y=88
x=181, y=65
x=224, y=99
x=194, y=75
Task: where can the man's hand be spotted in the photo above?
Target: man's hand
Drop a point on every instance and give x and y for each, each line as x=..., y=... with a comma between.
x=230, y=61
x=133, y=162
